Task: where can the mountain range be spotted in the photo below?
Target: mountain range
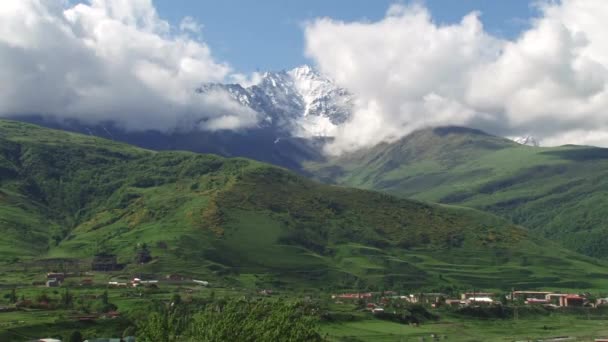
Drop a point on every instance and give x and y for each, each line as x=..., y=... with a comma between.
x=238, y=221
x=298, y=111
x=558, y=193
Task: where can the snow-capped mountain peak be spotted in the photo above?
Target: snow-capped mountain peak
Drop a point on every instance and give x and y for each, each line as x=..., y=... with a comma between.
x=527, y=140
x=300, y=102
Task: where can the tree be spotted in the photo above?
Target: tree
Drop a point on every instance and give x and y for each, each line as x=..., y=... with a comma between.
x=164, y=324
x=13, y=296
x=256, y=321
x=67, y=298
x=76, y=336
x=143, y=254
x=129, y=331
x=103, y=304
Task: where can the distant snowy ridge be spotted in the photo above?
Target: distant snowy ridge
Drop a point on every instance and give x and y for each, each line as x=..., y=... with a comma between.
x=300, y=102
x=527, y=140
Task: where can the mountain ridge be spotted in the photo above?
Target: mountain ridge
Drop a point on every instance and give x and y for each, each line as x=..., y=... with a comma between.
x=557, y=192
x=234, y=219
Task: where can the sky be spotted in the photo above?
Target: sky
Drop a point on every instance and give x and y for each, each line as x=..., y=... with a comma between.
x=268, y=35
x=511, y=68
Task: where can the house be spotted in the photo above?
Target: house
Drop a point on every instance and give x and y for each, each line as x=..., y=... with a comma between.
x=365, y=295
x=427, y=298
x=469, y=295
x=480, y=300
x=525, y=295
x=565, y=300
x=58, y=276
x=455, y=302
x=532, y=301
x=117, y=284
x=53, y=283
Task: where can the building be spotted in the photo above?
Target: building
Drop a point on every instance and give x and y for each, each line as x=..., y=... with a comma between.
x=365, y=295
x=53, y=283
x=428, y=298
x=58, y=276
x=526, y=295
x=469, y=295
x=565, y=300
x=480, y=300
x=455, y=302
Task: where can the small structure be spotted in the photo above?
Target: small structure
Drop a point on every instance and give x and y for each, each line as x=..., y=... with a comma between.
x=58, y=276
x=117, y=284
x=536, y=301
x=365, y=295
x=526, y=295
x=432, y=298
x=469, y=295
x=455, y=302
x=53, y=283
x=479, y=300
x=201, y=282
x=565, y=300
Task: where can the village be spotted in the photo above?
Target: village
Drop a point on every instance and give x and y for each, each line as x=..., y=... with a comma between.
x=376, y=301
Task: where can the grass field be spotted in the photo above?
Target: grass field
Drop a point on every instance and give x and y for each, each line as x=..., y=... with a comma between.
x=532, y=329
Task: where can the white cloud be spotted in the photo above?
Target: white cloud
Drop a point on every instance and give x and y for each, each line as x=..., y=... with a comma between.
x=109, y=60
x=409, y=72
x=188, y=24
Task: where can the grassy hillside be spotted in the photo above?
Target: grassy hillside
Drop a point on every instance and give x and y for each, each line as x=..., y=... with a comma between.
x=64, y=195
x=559, y=192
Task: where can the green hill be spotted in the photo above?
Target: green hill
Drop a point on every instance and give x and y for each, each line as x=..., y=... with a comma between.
x=64, y=195
x=561, y=193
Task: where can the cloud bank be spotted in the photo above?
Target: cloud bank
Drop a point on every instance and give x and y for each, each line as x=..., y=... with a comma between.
x=110, y=60
x=408, y=72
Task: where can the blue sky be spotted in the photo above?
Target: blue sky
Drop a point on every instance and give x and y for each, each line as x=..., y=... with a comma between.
x=268, y=35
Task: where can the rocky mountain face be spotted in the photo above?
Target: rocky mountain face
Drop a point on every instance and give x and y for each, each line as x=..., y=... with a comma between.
x=298, y=102
x=299, y=110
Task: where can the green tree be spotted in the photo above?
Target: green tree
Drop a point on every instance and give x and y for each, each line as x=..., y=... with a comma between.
x=76, y=336
x=255, y=321
x=13, y=296
x=67, y=298
x=164, y=324
x=129, y=331
x=143, y=254
x=103, y=304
